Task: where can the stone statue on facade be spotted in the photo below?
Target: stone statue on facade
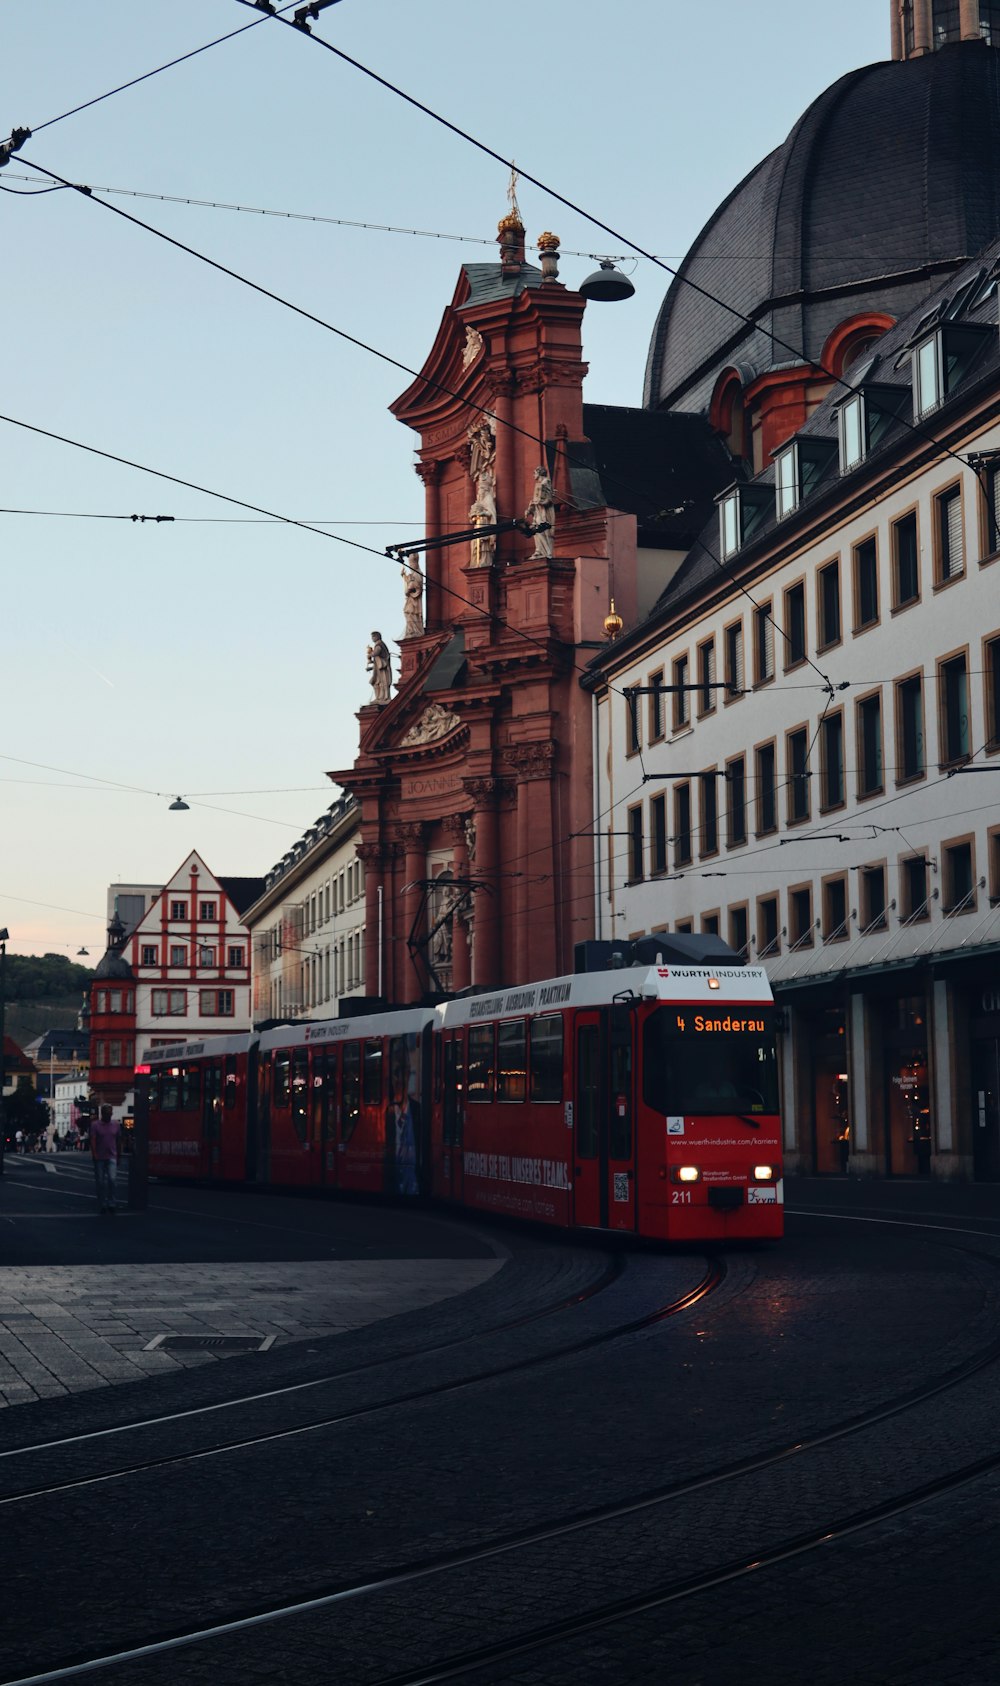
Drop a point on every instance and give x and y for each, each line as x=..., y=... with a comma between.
x=541, y=511
x=413, y=595
x=470, y=839
x=473, y=345
x=482, y=469
x=379, y=667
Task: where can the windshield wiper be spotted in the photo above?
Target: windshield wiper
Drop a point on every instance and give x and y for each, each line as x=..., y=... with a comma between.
x=745, y=1118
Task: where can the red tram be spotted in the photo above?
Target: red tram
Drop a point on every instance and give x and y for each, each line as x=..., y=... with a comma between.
x=642, y=1100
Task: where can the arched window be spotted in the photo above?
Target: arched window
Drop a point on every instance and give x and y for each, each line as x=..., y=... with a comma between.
x=946, y=22
x=853, y=339
x=727, y=413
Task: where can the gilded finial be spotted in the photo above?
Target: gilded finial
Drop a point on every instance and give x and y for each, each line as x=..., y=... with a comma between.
x=613, y=624
x=513, y=218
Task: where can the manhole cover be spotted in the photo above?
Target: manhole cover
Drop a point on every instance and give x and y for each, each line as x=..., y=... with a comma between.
x=210, y=1343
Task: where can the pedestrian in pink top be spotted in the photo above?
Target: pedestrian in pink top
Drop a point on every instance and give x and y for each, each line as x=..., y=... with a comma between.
x=105, y=1146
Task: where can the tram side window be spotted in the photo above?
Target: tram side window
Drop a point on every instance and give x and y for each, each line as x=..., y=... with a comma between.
x=282, y=1079
x=547, y=1059
x=512, y=1055
x=169, y=1090
x=229, y=1093
x=452, y=1097
x=373, y=1071
x=587, y=1091
x=190, y=1088
x=351, y=1090
x=300, y=1093
x=481, y=1062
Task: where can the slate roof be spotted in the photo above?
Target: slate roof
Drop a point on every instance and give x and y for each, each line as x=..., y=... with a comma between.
x=663, y=467
x=242, y=892
x=113, y=965
x=888, y=367
x=487, y=282
x=61, y=1044
x=448, y=670
x=890, y=176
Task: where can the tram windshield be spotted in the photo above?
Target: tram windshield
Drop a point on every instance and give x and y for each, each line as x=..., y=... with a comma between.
x=708, y=1061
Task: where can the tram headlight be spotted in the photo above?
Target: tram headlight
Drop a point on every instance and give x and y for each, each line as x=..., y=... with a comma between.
x=685, y=1174
x=763, y=1173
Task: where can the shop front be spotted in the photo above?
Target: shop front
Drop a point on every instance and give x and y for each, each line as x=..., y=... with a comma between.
x=984, y=1072
x=906, y=1087
x=830, y=1088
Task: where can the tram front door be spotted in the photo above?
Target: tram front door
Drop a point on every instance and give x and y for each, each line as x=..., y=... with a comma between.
x=603, y=1129
x=589, y=1180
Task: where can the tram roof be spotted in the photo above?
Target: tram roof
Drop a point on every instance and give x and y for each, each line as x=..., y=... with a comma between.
x=406, y=1020
x=717, y=984
x=169, y=1052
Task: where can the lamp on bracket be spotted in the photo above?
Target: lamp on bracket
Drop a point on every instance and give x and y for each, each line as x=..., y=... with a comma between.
x=606, y=285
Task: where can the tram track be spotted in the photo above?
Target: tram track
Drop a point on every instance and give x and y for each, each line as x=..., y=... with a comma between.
x=711, y=1280
x=666, y=1592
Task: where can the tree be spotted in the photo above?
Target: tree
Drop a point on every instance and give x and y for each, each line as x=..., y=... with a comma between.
x=24, y=1111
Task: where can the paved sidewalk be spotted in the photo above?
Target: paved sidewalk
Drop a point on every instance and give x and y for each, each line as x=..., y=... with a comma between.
x=83, y=1298
x=64, y=1328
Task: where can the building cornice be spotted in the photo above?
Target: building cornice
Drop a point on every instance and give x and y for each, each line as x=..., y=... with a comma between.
x=322, y=849
x=889, y=470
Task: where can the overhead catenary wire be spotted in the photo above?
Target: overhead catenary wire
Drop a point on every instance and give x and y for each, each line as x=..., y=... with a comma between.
x=203, y=520
x=478, y=409
x=578, y=210
x=147, y=75
x=372, y=227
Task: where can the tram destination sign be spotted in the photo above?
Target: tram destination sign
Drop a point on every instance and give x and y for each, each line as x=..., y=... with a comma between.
x=688, y=1023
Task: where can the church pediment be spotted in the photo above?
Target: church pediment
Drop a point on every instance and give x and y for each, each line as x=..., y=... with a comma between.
x=437, y=721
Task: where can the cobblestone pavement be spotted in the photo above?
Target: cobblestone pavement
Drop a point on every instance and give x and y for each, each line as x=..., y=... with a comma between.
x=69, y=1327
x=65, y=1328
x=841, y=1319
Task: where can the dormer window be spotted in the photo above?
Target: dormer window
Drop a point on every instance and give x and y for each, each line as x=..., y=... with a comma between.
x=741, y=512
x=852, y=433
x=864, y=418
x=942, y=359
x=928, y=384
x=786, y=482
x=796, y=472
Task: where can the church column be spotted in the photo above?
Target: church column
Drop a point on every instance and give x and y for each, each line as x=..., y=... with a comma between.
x=535, y=932
x=509, y=501
x=461, y=959
x=430, y=474
x=371, y=855
x=411, y=972
x=488, y=899
x=923, y=35
x=969, y=19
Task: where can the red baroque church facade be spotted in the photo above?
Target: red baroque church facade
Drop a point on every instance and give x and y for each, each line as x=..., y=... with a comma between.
x=475, y=779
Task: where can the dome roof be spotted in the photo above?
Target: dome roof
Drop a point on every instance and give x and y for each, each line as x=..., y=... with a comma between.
x=113, y=965
x=890, y=178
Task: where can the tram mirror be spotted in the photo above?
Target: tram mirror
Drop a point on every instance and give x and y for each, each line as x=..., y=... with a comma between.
x=621, y=1019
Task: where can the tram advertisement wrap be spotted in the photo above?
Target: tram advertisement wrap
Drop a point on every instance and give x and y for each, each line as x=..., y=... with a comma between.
x=501, y=1175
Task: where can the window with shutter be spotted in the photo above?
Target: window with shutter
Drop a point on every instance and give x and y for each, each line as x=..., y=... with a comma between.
x=951, y=546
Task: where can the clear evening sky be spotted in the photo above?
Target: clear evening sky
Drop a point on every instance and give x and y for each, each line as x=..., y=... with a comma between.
x=201, y=657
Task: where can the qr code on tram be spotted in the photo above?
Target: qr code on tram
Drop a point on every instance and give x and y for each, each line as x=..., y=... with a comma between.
x=621, y=1185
